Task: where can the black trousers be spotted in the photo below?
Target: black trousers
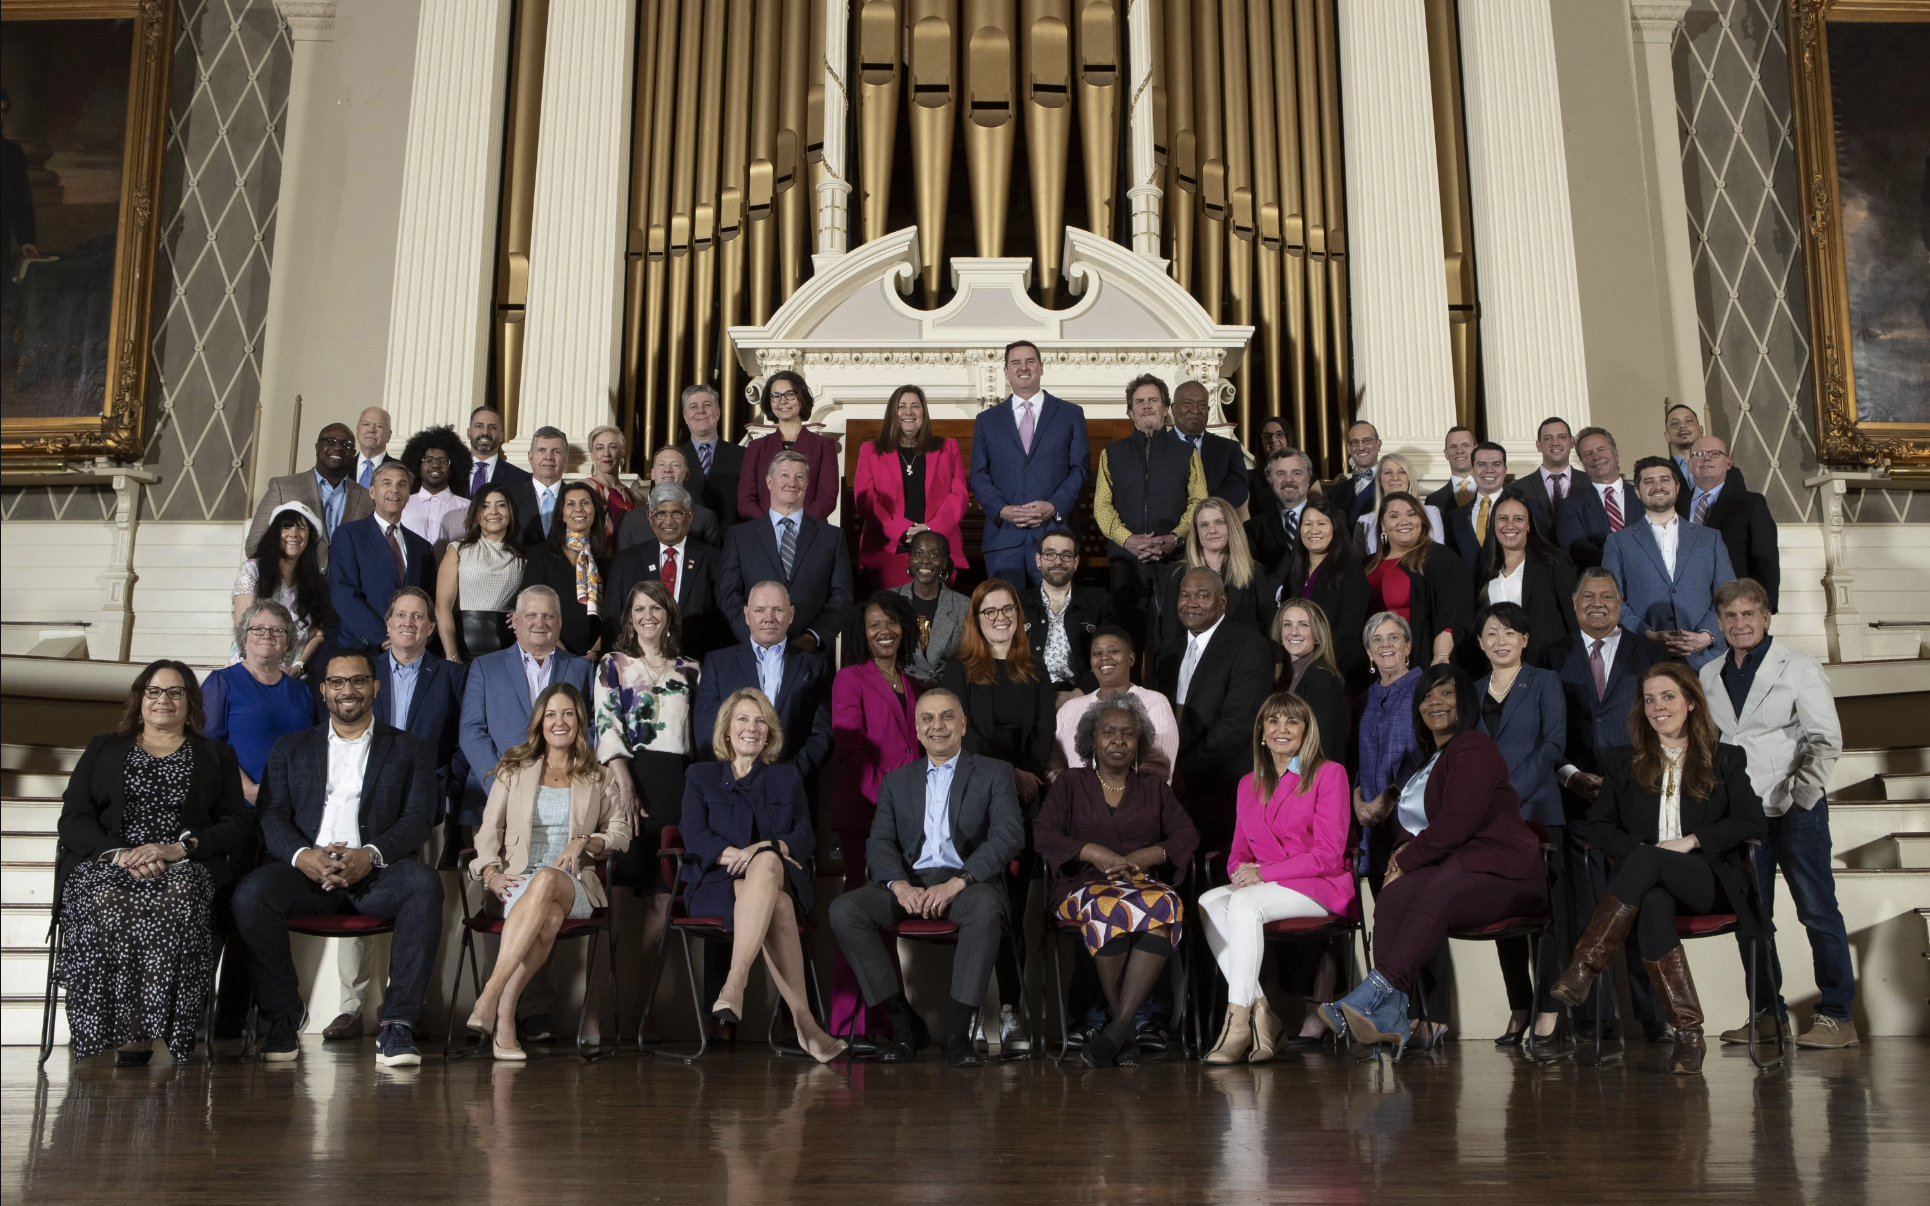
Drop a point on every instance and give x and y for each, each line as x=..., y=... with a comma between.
x=1662, y=883
x=1552, y=951
x=1137, y=588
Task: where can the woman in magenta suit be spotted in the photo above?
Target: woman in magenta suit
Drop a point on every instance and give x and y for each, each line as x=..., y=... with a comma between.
x=908, y=480
x=787, y=403
x=872, y=705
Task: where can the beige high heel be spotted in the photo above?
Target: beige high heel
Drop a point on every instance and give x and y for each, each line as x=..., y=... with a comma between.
x=824, y=1049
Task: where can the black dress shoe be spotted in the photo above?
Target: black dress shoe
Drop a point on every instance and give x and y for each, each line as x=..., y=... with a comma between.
x=1305, y=1042
x=534, y=1029
x=1150, y=1037
x=1657, y=1032
x=862, y=1045
x=920, y=1034
x=961, y=1052
x=1511, y=1039
x=893, y=1053
x=347, y=1026
x=133, y=1059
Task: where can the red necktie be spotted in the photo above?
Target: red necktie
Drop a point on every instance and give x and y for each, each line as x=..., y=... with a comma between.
x=670, y=572
x=1612, y=500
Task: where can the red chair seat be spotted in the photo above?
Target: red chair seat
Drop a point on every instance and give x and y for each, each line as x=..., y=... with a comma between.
x=1509, y=927
x=571, y=925
x=923, y=927
x=1706, y=926
x=340, y=925
x=1301, y=927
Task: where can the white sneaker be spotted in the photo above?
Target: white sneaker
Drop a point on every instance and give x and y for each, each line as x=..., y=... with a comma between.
x=1012, y=1033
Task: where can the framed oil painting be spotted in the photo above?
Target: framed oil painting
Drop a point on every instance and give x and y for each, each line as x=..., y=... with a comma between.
x=1861, y=93
x=83, y=109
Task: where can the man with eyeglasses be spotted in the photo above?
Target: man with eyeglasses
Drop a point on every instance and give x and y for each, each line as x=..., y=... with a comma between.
x=1353, y=493
x=438, y=510
x=1720, y=501
x=324, y=489
x=344, y=808
x=1061, y=617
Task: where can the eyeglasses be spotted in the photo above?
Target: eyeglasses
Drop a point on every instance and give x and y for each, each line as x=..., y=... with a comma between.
x=998, y=613
x=783, y=393
x=1707, y=454
x=335, y=682
x=265, y=631
x=334, y=442
x=435, y=458
x=171, y=694
x=1071, y=555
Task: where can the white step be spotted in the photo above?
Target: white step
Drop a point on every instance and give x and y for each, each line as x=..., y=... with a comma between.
x=23, y=925
x=1859, y=831
x=1855, y=774
x=30, y=816
x=27, y=847
x=1906, y=785
x=33, y=785
x=40, y=759
x=20, y=1024
x=1912, y=850
x=31, y=883
x=23, y=971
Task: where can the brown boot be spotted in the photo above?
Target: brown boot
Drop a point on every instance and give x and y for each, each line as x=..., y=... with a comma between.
x=1594, y=948
x=1236, y=1036
x=1676, y=990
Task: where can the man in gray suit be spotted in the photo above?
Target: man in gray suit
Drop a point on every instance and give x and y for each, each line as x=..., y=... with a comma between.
x=946, y=827
x=325, y=489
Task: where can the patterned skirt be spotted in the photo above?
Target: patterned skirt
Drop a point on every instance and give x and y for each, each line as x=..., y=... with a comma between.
x=1105, y=909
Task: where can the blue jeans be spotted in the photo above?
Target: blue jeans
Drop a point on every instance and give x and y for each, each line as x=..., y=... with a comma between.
x=1799, y=844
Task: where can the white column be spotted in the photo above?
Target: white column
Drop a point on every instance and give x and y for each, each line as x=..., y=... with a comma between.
x=834, y=191
x=575, y=340
x=446, y=238
x=1531, y=318
x=1655, y=23
x=1403, y=368
x=1144, y=195
x=308, y=129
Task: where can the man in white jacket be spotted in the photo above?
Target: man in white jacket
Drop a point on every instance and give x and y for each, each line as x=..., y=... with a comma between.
x=1776, y=704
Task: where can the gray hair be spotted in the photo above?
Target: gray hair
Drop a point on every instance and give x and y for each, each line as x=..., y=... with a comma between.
x=1597, y=571
x=664, y=492
x=691, y=391
x=1382, y=617
x=1209, y=571
x=540, y=592
x=549, y=433
x=1112, y=701
x=786, y=456
x=257, y=608
x=1281, y=454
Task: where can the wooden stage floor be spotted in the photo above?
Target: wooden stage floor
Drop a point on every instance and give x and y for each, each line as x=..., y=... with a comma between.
x=1470, y=1125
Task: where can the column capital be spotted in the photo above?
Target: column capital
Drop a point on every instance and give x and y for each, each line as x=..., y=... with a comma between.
x=308, y=20
x=1656, y=20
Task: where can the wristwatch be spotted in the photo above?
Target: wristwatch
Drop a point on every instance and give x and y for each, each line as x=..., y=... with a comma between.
x=968, y=877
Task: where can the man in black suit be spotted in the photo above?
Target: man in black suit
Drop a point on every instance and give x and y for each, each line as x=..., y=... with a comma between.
x=1057, y=606
x=1721, y=501
x=671, y=466
x=1473, y=525
x=485, y=446
x=1354, y=493
x=1272, y=537
x=1459, y=488
x=715, y=463
x=807, y=555
x=687, y=568
x=1601, y=507
x=794, y=680
x=1598, y=666
x=1217, y=677
x=344, y=807
x=1553, y=482
x=1223, y=460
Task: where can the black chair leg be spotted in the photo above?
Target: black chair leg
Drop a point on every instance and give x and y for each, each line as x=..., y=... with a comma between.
x=1059, y=995
x=656, y=980
x=49, y=1011
x=467, y=952
x=697, y=1007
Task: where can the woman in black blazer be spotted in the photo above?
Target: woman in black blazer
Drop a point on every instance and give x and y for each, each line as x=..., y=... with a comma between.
x=149, y=819
x=1301, y=632
x=575, y=563
x=1324, y=567
x=1674, y=813
x=1423, y=582
x=1518, y=566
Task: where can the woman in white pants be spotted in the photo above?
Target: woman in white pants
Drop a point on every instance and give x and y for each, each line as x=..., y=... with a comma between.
x=1288, y=860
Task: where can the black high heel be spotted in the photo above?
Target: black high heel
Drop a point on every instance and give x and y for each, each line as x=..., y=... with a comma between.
x=1100, y=1051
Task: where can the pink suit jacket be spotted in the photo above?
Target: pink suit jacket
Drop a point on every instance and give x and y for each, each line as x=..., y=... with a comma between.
x=1299, y=839
x=879, y=489
x=872, y=734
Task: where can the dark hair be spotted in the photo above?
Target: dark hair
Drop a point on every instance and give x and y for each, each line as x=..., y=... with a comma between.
x=1675, y=406
x=942, y=543
x=804, y=402
x=1488, y=565
x=1261, y=429
x=1066, y=532
x=887, y=441
x=485, y=406
x=1655, y=462
x=558, y=539
x=411, y=592
x=1489, y=446
x=197, y=722
x=1157, y=382
x=351, y=653
x=1114, y=630
x=1340, y=554
x=472, y=525
x=444, y=439
x=311, y=581
x=1543, y=426
x=1698, y=761
x=1458, y=427
x=897, y=608
x=1005, y=357
x=1416, y=558
x=1511, y=615
x=672, y=642
x=1467, y=709
x=1603, y=432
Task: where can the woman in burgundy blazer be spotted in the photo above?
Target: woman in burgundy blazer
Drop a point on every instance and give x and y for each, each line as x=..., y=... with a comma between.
x=906, y=451
x=1463, y=856
x=787, y=403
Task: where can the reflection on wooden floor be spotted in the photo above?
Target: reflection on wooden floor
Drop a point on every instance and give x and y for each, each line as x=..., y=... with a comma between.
x=1471, y=1124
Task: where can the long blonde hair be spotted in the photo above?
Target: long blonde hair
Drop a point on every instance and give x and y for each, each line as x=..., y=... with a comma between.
x=1323, y=634
x=535, y=746
x=1239, y=569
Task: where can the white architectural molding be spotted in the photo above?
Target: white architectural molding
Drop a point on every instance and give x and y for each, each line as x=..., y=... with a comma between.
x=438, y=360
x=1403, y=365
x=1532, y=361
x=1654, y=23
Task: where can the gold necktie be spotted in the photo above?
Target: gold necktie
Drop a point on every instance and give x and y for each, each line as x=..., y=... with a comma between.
x=1481, y=523
x=1464, y=494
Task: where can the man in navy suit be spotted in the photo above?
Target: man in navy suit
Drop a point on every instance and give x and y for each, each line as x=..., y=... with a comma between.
x=1472, y=526
x=1223, y=460
x=1598, y=667
x=1029, y=462
x=687, y=568
x=344, y=807
x=372, y=558
x=793, y=679
x=486, y=446
x=1668, y=570
x=1548, y=489
x=715, y=462
x=807, y=555
x=1354, y=492
x=1601, y=507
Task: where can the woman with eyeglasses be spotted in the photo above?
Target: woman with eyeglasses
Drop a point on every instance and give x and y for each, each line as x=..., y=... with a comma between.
x=254, y=703
x=148, y=819
x=286, y=566
x=575, y=563
x=786, y=403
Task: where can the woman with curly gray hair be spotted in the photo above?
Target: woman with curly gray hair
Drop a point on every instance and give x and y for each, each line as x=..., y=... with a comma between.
x=1115, y=842
x=252, y=704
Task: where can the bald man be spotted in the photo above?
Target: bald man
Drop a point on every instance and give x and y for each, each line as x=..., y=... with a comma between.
x=372, y=430
x=1719, y=500
x=1217, y=675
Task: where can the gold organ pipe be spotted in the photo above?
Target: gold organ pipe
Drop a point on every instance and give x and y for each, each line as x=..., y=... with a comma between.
x=1457, y=230
x=657, y=233
x=1313, y=202
x=989, y=126
x=1266, y=204
x=1240, y=222
x=1293, y=222
x=792, y=179
x=1334, y=181
x=519, y=195
x=761, y=197
x=932, y=41
x=1047, y=88
x=1207, y=111
x=683, y=183
x=703, y=234
x=880, y=30
x=1182, y=164
x=1097, y=27
x=731, y=218
x=641, y=406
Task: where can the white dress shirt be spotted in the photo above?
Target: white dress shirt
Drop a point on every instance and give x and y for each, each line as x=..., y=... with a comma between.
x=938, y=850
x=342, y=801
x=1195, y=646
x=1505, y=587
x=537, y=674
x=1666, y=537
x=1668, y=817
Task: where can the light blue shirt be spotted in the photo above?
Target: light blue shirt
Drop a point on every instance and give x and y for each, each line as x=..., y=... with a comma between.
x=938, y=850
x=334, y=498
x=402, y=689
x=770, y=669
x=777, y=526
x=1682, y=463
x=1695, y=501
x=1412, y=811
x=546, y=501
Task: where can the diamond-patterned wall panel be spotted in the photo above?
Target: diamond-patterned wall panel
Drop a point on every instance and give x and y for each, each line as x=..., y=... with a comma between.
x=1739, y=173
x=221, y=175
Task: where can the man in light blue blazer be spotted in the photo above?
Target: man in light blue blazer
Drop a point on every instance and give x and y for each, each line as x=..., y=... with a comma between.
x=1029, y=462
x=1668, y=570
x=502, y=687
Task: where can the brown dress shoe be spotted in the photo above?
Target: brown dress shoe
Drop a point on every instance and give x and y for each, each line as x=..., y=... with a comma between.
x=347, y=1026
x=1606, y=930
x=1676, y=990
x=1828, y=1033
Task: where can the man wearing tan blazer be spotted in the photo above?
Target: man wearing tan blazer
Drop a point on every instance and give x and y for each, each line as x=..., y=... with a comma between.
x=326, y=489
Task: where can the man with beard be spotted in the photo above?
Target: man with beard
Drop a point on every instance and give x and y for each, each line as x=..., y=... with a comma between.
x=1060, y=618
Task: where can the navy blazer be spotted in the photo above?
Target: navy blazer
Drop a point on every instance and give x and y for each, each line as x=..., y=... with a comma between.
x=1596, y=725
x=1532, y=735
x=1224, y=462
x=361, y=579
x=720, y=811
x=803, y=701
x=1652, y=600
x=495, y=714
x=988, y=831
x=399, y=804
x=717, y=489
x=1004, y=474
x=819, y=581
x=1582, y=530
x=1460, y=526
x=698, y=610
x=435, y=713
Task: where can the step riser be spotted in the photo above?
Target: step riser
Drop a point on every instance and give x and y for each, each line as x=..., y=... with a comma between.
x=1860, y=834
x=43, y=759
x=28, y=848
x=20, y=1024
x=1913, y=851
x=1914, y=786
x=17, y=785
x=24, y=816
x=1855, y=775
x=27, y=885
x=24, y=927
x=23, y=973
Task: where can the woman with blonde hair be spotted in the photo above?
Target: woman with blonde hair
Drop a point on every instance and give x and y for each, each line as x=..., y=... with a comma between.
x=747, y=827
x=1309, y=669
x=1395, y=477
x=607, y=450
x=1216, y=540
x=553, y=807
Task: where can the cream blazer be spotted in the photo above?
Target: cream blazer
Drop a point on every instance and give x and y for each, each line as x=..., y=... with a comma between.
x=502, y=840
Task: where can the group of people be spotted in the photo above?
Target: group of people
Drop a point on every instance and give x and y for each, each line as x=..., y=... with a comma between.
x=1553, y=694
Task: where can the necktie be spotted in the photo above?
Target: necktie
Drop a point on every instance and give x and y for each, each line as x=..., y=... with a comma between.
x=1187, y=666
x=670, y=571
x=1612, y=500
x=1701, y=510
x=481, y=479
x=1025, y=426
x=1600, y=671
x=1560, y=482
x=1464, y=493
x=1293, y=526
x=395, y=551
x=703, y=456
x=368, y=472
x=787, y=543
x=547, y=505
x=1481, y=522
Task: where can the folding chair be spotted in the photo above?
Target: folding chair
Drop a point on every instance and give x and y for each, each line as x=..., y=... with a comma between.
x=314, y=925
x=480, y=921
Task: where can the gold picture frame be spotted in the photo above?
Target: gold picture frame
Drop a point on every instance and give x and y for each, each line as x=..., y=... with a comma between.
x=1844, y=435
x=115, y=432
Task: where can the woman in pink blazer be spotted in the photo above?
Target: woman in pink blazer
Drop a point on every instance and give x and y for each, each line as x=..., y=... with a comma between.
x=1288, y=859
x=872, y=733
x=908, y=480
x=787, y=403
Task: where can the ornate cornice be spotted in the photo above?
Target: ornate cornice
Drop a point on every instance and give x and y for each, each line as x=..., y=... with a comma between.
x=1656, y=20
x=308, y=20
